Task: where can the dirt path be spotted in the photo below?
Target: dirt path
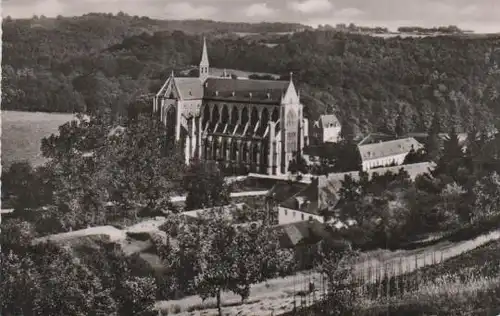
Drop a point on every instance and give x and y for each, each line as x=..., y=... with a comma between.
x=276, y=295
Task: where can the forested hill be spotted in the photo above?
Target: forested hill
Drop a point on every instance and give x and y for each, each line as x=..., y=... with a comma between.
x=371, y=83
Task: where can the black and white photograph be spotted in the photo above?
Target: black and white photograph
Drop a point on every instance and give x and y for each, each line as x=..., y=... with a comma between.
x=250, y=158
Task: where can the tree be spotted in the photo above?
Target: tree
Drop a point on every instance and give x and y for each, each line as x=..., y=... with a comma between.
x=257, y=257
x=452, y=202
x=487, y=201
x=26, y=188
x=338, y=268
x=347, y=132
x=47, y=281
x=212, y=256
x=298, y=164
x=348, y=157
x=16, y=235
x=205, y=186
x=216, y=258
x=415, y=156
x=138, y=295
x=433, y=142
x=141, y=166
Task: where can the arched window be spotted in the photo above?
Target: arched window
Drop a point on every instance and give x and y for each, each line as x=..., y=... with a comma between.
x=291, y=118
x=276, y=115
x=206, y=115
x=244, y=116
x=215, y=114
x=225, y=115
x=234, y=115
x=255, y=117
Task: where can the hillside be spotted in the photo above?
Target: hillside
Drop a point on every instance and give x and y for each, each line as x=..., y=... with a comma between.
x=370, y=83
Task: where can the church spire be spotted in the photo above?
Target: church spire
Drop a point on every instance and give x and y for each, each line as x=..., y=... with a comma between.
x=204, y=65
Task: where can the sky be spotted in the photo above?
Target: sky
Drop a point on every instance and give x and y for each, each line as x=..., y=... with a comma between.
x=477, y=15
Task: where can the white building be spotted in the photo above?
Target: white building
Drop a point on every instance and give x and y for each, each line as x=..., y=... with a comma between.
x=386, y=153
x=327, y=129
x=320, y=198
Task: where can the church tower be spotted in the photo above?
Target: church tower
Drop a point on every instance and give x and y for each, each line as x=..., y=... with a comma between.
x=204, y=65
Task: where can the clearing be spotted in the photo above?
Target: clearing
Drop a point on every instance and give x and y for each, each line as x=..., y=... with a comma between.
x=22, y=134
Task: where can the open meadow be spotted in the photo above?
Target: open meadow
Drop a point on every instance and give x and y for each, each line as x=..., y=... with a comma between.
x=22, y=133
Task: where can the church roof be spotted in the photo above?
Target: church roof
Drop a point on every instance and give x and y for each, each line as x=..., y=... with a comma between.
x=189, y=88
x=255, y=91
x=387, y=149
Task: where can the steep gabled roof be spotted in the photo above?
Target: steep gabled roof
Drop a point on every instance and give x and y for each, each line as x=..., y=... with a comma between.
x=329, y=120
x=189, y=88
x=305, y=232
x=258, y=91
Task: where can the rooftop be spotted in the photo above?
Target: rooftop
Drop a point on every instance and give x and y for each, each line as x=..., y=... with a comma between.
x=389, y=148
x=262, y=91
x=189, y=88
x=329, y=120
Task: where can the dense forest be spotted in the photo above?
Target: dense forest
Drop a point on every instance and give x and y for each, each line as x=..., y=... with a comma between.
x=103, y=61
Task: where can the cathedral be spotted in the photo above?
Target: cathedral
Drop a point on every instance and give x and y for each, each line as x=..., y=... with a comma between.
x=245, y=125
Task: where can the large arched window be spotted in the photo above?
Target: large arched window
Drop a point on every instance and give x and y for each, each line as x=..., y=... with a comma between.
x=225, y=115
x=263, y=122
x=206, y=115
x=234, y=116
x=291, y=118
x=244, y=116
x=276, y=115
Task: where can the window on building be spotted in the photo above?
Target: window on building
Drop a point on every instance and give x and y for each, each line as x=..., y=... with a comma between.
x=310, y=218
x=302, y=217
x=286, y=212
x=293, y=214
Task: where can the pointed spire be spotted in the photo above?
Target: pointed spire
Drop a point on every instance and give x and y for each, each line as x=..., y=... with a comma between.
x=204, y=65
x=204, y=55
x=291, y=76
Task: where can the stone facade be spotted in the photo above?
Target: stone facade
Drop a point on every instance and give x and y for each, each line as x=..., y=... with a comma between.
x=245, y=125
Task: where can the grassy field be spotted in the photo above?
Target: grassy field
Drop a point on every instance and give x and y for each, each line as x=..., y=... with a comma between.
x=22, y=133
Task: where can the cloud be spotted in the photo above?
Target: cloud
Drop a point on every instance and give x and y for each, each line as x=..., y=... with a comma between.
x=480, y=15
x=186, y=10
x=311, y=6
x=348, y=13
x=26, y=9
x=259, y=10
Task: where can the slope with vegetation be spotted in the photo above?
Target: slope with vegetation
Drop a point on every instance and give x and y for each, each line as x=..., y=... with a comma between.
x=355, y=76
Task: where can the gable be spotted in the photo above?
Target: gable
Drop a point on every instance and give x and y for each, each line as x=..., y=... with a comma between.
x=291, y=96
x=169, y=90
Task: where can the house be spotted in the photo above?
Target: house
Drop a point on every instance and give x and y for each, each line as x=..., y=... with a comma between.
x=319, y=200
x=387, y=153
x=327, y=129
x=314, y=203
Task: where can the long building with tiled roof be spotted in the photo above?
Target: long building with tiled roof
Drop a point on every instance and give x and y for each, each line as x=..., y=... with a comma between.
x=387, y=153
x=245, y=125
